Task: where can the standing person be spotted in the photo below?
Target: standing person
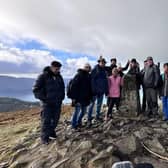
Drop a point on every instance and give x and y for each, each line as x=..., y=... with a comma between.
x=150, y=81
x=81, y=94
x=143, y=88
x=164, y=91
x=115, y=83
x=49, y=88
x=99, y=84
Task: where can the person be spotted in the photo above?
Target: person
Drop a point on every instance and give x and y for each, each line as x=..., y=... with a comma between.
x=135, y=71
x=99, y=83
x=81, y=94
x=115, y=82
x=50, y=89
x=164, y=91
x=150, y=82
x=143, y=89
x=114, y=65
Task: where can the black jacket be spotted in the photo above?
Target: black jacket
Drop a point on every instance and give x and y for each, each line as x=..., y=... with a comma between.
x=49, y=87
x=81, y=90
x=99, y=81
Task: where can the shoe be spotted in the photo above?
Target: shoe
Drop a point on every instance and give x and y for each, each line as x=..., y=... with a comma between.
x=99, y=119
x=165, y=119
x=45, y=142
x=53, y=136
x=89, y=124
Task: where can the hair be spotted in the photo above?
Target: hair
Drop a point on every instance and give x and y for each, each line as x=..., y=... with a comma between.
x=113, y=59
x=56, y=64
x=165, y=64
x=133, y=60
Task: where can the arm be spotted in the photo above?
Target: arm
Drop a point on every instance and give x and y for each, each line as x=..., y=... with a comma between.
x=126, y=67
x=39, y=88
x=157, y=75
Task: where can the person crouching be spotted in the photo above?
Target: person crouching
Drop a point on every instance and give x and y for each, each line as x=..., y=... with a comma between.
x=115, y=82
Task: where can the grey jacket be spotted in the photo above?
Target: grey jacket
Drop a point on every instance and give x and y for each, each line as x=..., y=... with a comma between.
x=151, y=76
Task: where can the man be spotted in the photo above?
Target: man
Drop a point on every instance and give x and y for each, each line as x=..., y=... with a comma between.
x=81, y=94
x=49, y=88
x=143, y=88
x=114, y=65
x=150, y=81
x=99, y=83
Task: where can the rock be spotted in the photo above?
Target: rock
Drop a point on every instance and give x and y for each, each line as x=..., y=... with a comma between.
x=128, y=145
x=155, y=146
x=102, y=160
x=85, y=145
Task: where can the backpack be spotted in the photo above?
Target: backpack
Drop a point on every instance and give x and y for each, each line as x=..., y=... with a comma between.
x=69, y=88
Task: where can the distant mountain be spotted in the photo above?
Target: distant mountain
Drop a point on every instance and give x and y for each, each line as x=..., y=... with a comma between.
x=12, y=104
x=15, y=85
x=20, y=88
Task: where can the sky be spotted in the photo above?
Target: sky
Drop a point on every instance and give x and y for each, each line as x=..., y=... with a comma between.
x=33, y=33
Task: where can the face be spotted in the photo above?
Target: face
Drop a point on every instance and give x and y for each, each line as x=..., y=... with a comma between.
x=166, y=69
x=102, y=64
x=150, y=62
x=55, y=70
x=133, y=64
x=115, y=72
x=145, y=63
x=113, y=62
x=87, y=68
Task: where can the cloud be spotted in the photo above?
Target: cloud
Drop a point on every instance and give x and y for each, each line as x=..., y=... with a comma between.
x=121, y=28
x=17, y=60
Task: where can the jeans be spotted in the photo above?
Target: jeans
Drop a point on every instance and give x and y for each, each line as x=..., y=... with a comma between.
x=165, y=106
x=98, y=108
x=50, y=115
x=78, y=115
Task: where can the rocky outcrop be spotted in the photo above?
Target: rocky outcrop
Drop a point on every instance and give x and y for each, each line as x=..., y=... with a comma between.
x=97, y=147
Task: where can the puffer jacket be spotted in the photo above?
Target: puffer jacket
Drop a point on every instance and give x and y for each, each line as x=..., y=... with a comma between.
x=99, y=81
x=49, y=87
x=81, y=88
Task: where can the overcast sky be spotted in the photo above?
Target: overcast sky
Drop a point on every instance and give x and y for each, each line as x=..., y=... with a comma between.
x=35, y=32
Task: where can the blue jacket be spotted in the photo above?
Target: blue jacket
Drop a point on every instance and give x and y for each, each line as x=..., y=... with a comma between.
x=99, y=81
x=49, y=88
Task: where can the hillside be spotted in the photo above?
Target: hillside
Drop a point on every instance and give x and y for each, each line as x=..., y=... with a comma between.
x=12, y=104
x=101, y=146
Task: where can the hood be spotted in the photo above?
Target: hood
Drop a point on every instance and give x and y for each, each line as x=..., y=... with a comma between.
x=47, y=70
x=82, y=71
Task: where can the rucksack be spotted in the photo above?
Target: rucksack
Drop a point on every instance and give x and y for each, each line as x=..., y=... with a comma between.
x=69, y=89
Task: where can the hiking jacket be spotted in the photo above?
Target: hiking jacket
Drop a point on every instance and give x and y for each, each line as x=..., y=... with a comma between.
x=49, y=87
x=99, y=81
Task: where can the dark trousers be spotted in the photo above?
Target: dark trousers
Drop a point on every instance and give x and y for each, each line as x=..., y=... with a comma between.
x=49, y=119
x=144, y=100
x=111, y=102
x=151, y=97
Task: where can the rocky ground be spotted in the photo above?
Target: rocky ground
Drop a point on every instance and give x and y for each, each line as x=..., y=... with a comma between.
x=136, y=139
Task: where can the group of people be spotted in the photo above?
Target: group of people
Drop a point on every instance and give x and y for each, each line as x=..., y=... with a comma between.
x=89, y=86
